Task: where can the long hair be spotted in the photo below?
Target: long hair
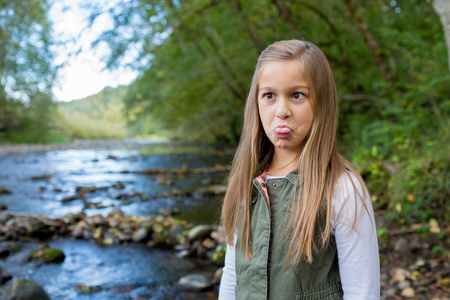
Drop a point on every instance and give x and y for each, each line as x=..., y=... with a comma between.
x=319, y=165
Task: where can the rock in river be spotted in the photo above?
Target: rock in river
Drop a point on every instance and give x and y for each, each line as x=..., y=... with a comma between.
x=49, y=255
x=140, y=235
x=4, y=191
x=199, y=232
x=23, y=289
x=194, y=282
x=4, y=275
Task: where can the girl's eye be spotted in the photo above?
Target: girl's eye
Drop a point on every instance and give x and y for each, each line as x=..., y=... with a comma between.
x=269, y=96
x=297, y=96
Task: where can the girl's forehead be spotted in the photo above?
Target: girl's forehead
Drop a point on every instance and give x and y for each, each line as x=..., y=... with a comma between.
x=278, y=72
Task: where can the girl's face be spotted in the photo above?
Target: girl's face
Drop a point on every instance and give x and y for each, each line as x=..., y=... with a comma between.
x=284, y=105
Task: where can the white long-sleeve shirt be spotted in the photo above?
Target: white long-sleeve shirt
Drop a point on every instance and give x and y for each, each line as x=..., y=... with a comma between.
x=359, y=265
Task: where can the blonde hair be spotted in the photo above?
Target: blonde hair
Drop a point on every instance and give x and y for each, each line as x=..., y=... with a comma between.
x=319, y=159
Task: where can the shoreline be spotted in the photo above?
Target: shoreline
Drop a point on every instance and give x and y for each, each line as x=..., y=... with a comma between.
x=8, y=148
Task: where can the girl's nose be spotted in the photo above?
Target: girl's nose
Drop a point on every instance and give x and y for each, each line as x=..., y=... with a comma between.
x=283, y=109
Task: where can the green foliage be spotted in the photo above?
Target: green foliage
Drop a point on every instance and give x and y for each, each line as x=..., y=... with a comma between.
x=394, y=127
x=26, y=71
x=97, y=116
x=219, y=255
x=197, y=58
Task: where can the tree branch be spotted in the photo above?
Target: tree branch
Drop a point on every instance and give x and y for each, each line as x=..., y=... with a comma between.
x=379, y=55
x=236, y=91
x=236, y=6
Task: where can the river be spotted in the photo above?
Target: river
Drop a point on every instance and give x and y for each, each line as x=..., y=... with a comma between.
x=41, y=180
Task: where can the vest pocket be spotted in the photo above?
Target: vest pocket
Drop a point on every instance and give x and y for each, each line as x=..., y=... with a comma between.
x=331, y=292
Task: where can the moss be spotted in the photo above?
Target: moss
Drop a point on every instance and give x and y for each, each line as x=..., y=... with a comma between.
x=48, y=255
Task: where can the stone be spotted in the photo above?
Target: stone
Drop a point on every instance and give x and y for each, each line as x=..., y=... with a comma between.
x=400, y=275
x=401, y=245
x=139, y=235
x=119, y=185
x=87, y=289
x=198, y=232
x=23, y=289
x=217, y=276
x=70, y=198
x=124, y=237
x=115, y=211
x=33, y=227
x=108, y=241
x=194, y=282
x=404, y=284
x=77, y=232
x=70, y=218
x=12, y=246
x=41, y=177
x=391, y=292
x=99, y=220
x=113, y=222
x=183, y=253
x=20, y=258
x=5, y=217
x=48, y=255
x=209, y=244
x=4, y=191
x=408, y=292
x=4, y=275
x=4, y=253
x=181, y=247
x=86, y=189
x=201, y=253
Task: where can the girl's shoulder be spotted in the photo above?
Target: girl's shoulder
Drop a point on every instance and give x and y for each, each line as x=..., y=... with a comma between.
x=350, y=200
x=349, y=185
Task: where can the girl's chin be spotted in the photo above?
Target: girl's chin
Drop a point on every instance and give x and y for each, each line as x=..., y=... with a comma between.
x=285, y=145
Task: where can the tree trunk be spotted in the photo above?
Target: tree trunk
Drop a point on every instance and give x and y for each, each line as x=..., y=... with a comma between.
x=379, y=54
x=442, y=9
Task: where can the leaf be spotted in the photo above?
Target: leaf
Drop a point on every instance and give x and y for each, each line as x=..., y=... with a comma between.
x=434, y=226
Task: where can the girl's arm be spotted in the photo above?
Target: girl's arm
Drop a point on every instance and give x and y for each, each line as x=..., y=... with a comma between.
x=357, y=248
x=228, y=281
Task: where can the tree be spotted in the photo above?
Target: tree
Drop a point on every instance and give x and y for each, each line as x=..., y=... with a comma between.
x=442, y=8
x=26, y=71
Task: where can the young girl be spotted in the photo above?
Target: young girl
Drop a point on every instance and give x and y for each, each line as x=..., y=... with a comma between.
x=297, y=216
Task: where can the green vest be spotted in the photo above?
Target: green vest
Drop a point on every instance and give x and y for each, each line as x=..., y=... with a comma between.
x=265, y=276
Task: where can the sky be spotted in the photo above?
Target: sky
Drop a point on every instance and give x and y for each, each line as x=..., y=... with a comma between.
x=82, y=75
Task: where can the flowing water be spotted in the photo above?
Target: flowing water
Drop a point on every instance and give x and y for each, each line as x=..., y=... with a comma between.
x=125, y=271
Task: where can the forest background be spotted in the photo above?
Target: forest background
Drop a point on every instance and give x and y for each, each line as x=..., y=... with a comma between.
x=196, y=58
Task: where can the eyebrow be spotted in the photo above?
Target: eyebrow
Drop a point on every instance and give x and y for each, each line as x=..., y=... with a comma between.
x=293, y=87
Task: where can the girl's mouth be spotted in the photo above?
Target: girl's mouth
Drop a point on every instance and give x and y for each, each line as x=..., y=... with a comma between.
x=282, y=131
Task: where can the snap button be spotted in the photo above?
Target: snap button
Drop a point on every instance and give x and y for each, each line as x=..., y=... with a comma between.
x=274, y=185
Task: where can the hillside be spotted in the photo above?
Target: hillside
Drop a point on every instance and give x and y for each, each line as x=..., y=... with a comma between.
x=97, y=116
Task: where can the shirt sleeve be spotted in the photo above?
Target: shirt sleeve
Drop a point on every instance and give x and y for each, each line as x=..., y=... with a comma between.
x=356, y=239
x=228, y=281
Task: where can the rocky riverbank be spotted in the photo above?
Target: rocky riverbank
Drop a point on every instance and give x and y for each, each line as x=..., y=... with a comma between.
x=94, y=144
x=202, y=242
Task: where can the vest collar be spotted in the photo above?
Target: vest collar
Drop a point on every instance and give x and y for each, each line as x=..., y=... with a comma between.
x=291, y=176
